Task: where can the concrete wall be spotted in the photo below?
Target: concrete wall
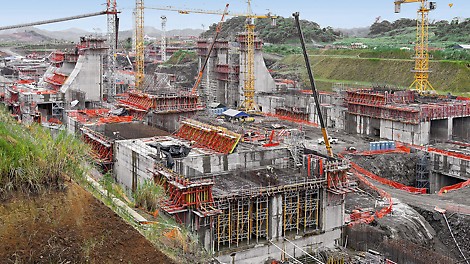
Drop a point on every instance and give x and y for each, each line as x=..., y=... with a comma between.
x=461, y=128
x=261, y=253
x=194, y=165
x=167, y=122
x=269, y=102
x=132, y=162
x=439, y=130
x=408, y=133
x=417, y=134
x=86, y=77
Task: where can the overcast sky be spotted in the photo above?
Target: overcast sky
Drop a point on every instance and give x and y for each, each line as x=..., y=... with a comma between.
x=335, y=13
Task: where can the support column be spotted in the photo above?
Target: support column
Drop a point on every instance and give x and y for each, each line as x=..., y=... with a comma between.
x=275, y=217
x=450, y=127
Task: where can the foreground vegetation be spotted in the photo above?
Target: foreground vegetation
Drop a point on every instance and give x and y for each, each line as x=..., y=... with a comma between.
x=32, y=160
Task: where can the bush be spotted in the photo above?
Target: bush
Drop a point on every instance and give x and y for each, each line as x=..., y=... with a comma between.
x=32, y=160
x=148, y=195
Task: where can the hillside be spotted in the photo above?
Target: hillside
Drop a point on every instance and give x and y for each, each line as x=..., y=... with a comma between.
x=453, y=76
x=442, y=31
x=45, y=217
x=284, y=31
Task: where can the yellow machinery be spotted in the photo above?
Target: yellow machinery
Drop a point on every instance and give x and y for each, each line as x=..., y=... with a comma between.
x=249, y=103
x=421, y=69
x=139, y=44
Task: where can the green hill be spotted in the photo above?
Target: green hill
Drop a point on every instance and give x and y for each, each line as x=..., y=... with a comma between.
x=283, y=32
x=447, y=76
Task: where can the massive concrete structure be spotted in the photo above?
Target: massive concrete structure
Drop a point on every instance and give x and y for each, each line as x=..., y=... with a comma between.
x=224, y=77
x=245, y=199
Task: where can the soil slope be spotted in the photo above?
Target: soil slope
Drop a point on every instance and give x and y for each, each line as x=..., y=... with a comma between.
x=69, y=227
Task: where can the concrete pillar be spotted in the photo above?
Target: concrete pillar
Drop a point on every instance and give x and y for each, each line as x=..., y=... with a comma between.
x=276, y=217
x=450, y=127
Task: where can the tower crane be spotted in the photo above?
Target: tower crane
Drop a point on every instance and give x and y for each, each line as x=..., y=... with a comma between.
x=421, y=69
x=113, y=29
x=139, y=43
x=249, y=103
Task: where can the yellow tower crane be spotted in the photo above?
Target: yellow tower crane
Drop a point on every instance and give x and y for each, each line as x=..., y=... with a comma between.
x=249, y=103
x=139, y=44
x=421, y=69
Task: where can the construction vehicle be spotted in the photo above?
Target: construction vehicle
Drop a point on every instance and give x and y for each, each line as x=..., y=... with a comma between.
x=326, y=139
x=332, y=140
x=421, y=69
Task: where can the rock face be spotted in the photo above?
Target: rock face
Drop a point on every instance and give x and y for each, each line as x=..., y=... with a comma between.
x=394, y=166
x=69, y=227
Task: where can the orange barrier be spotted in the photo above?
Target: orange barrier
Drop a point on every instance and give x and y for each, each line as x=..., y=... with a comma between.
x=454, y=187
x=450, y=153
x=388, y=182
x=367, y=218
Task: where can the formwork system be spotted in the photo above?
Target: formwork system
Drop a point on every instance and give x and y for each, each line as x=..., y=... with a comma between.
x=401, y=106
x=185, y=194
x=101, y=147
x=294, y=113
x=206, y=136
x=139, y=103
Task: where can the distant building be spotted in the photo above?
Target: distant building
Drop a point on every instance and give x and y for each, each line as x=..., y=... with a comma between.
x=358, y=45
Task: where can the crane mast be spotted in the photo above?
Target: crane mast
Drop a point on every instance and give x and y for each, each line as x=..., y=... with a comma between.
x=249, y=82
x=139, y=43
x=163, y=42
x=421, y=69
x=112, y=42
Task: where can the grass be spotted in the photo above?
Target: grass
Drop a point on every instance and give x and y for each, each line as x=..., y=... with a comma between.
x=32, y=160
x=446, y=76
x=148, y=195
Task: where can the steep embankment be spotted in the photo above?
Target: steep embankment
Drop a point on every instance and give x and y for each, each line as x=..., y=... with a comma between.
x=69, y=227
x=446, y=75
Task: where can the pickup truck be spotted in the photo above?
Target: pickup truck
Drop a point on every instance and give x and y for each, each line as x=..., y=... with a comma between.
x=331, y=139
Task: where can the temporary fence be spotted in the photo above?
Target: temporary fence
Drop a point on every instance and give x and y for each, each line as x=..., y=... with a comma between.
x=454, y=187
x=388, y=182
x=368, y=218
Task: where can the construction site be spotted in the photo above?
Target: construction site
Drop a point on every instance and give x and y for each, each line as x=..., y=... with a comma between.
x=260, y=169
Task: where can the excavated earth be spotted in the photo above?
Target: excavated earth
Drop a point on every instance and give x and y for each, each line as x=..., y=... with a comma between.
x=394, y=166
x=69, y=226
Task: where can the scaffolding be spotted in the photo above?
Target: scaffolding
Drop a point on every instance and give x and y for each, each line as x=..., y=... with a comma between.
x=295, y=144
x=423, y=171
x=139, y=104
x=185, y=194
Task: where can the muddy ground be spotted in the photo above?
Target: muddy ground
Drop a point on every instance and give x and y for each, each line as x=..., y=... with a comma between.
x=69, y=227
